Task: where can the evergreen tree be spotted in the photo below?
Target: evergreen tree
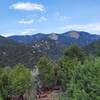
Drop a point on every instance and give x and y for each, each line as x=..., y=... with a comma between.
x=85, y=84
x=46, y=72
x=72, y=57
x=20, y=79
x=75, y=52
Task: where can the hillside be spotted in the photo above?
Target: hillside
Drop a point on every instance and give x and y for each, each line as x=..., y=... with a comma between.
x=51, y=48
x=54, y=44
x=6, y=41
x=28, y=49
x=93, y=48
x=12, y=53
x=27, y=39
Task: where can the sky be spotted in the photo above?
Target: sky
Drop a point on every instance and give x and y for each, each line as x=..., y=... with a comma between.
x=27, y=17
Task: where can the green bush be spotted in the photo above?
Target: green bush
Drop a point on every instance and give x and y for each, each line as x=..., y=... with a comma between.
x=1, y=97
x=17, y=80
x=85, y=85
x=20, y=79
x=67, y=64
x=46, y=72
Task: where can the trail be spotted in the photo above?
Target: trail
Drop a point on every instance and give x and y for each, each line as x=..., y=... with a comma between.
x=49, y=95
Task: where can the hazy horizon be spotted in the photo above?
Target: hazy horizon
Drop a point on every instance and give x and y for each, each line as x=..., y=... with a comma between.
x=46, y=33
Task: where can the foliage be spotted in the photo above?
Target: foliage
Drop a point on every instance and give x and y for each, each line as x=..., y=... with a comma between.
x=17, y=80
x=20, y=79
x=72, y=57
x=12, y=54
x=4, y=83
x=1, y=97
x=63, y=96
x=79, y=77
x=75, y=52
x=85, y=85
x=93, y=48
x=46, y=72
x=66, y=72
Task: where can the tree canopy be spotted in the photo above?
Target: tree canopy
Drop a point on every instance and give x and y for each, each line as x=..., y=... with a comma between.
x=15, y=81
x=46, y=72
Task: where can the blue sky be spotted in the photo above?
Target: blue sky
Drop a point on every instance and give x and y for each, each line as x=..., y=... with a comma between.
x=26, y=17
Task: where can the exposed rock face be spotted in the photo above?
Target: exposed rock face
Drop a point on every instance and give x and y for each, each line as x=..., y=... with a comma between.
x=74, y=34
x=53, y=36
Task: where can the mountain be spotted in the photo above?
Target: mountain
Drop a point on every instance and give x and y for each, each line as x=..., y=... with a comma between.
x=67, y=38
x=28, y=49
x=12, y=53
x=27, y=39
x=78, y=37
x=4, y=41
x=93, y=48
x=52, y=48
x=53, y=44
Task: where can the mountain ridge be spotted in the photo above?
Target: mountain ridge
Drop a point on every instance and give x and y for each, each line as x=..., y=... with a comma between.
x=28, y=52
x=63, y=37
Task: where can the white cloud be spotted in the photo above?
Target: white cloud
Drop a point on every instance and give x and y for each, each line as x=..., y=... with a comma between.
x=26, y=21
x=85, y=27
x=27, y=6
x=43, y=18
x=28, y=31
x=7, y=34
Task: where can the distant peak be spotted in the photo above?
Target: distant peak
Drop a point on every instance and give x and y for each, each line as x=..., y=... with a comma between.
x=40, y=33
x=74, y=34
x=53, y=36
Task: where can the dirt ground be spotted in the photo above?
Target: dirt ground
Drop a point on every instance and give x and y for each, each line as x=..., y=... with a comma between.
x=50, y=95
